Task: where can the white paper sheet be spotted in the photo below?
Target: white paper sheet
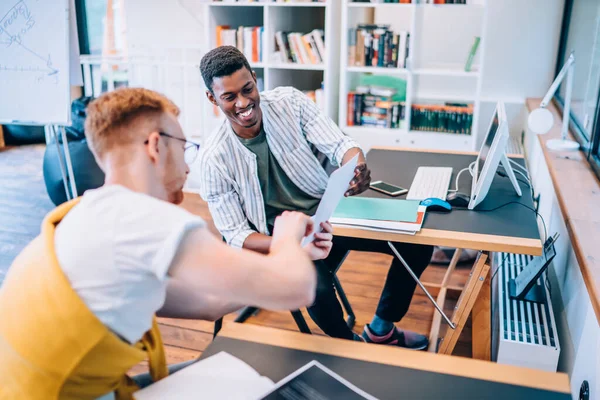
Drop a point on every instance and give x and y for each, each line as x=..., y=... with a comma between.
x=221, y=376
x=338, y=184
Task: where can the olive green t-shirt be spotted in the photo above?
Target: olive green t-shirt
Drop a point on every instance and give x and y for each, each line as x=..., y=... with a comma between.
x=279, y=192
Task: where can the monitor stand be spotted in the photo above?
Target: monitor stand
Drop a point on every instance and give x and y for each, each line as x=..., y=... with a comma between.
x=511, y=174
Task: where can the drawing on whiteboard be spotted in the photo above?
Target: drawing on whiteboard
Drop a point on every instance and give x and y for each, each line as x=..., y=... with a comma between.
x=15, y=26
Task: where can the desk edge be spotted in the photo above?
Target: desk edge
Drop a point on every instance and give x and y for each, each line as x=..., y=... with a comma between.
x=444, y=364
x=457, y=239
x=436, y=151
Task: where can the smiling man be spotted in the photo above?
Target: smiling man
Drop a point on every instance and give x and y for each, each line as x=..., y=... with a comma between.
x=260, y=162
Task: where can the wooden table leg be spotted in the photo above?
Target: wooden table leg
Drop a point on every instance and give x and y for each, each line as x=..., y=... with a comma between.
x=482, y=322
x=441, y=300
x=465, y=303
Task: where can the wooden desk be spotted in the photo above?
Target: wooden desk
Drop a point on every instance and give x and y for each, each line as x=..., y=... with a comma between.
x=511, y=228
x=386, y=372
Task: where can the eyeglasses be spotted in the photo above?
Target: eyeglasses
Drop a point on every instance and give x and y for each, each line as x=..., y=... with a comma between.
x=190, y=150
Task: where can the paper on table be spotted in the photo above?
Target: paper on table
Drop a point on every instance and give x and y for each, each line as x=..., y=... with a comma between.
x=221, y=376
x=338, y=184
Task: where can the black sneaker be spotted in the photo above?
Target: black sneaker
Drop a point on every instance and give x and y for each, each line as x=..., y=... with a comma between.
x=397, y=337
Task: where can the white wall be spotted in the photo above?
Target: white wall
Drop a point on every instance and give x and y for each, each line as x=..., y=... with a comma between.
x=173, y=32
x=155, y=24
x=521, y=41
x=577, y=325
x=521, y=47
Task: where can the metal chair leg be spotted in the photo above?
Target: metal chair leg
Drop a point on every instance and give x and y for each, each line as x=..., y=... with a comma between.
x=345, y=303
x=351, y=316
x=246, y=313
x=300, y=321
x=218, y=326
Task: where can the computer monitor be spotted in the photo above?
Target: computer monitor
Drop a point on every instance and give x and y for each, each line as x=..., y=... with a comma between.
x=491, y=154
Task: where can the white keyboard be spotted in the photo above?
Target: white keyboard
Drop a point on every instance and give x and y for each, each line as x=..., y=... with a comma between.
x=430, y=182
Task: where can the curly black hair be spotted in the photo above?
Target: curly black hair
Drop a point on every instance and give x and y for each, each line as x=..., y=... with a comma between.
x=222, y=61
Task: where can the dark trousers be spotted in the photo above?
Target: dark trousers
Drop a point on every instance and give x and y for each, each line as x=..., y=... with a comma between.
x=397, y=292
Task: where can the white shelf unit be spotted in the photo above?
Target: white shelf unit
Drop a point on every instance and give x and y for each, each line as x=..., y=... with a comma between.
x=441, y=37
x=289, y=17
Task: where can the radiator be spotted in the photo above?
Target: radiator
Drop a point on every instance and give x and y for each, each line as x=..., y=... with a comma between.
x=523, y=333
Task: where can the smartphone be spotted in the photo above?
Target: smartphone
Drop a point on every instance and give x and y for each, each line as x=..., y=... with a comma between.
x=388, y=188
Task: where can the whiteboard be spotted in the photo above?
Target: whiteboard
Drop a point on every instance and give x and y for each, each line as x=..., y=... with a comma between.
x=34, y=61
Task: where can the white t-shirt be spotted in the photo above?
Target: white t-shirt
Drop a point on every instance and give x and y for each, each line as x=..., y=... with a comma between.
x=116, y=247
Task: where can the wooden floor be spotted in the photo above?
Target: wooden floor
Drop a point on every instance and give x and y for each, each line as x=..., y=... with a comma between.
x=23, y=200
x=362, y=276
x=23, y=203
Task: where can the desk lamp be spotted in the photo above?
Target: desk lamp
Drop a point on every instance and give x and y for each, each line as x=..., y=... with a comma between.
x=540, y=120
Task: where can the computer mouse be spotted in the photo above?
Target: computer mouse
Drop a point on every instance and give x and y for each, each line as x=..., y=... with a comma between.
x=435, y=204
x=458, y=199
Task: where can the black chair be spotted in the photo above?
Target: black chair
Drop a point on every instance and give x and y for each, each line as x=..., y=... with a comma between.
x=247, y=312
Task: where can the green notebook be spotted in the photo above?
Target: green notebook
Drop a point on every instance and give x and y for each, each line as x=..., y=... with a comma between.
x=377, y=209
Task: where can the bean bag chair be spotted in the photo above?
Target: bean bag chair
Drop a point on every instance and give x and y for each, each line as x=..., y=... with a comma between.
x=88, y=174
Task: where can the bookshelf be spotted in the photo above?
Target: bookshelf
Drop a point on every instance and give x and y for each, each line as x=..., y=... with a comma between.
x=302, y=17
x=439, y=41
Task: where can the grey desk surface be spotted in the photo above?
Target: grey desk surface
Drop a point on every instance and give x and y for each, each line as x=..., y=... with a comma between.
x=513, y=220
x=380, y=380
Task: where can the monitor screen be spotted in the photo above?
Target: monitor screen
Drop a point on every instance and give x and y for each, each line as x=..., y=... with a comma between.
x=487, y=144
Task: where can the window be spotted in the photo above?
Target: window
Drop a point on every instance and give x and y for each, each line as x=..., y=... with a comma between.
x=581, y=35
x=101, y=31
x=100, y=26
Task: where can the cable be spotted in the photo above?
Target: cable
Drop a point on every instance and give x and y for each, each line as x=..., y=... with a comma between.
x=509, y=203
x=516, y=164
x=523, y=175
x=469, y=168
x=472, y=168
x=520, y=173
x=456, y=180
x=499, y=266
x=503, y=174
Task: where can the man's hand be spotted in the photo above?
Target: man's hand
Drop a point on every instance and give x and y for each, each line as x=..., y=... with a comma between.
x=291, y=226
x=321, y=246
x=361, y=180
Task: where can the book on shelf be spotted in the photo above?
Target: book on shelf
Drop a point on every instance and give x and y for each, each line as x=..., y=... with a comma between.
x=472, y=53
x=374, y=107
x=453, y=118
x=248, y=39
x=377, y=46
x=300, y=48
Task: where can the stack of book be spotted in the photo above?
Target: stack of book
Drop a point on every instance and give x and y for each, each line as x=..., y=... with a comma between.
x=300, y=48
x=448, y=118
x=377, y=46
x=383, y=215
x=248, y=39
x=373, y=106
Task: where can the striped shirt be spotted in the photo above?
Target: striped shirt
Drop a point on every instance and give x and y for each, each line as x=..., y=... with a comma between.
x=229, y=181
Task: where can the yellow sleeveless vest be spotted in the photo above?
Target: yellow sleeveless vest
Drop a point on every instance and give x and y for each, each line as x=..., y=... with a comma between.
x=51, y=345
